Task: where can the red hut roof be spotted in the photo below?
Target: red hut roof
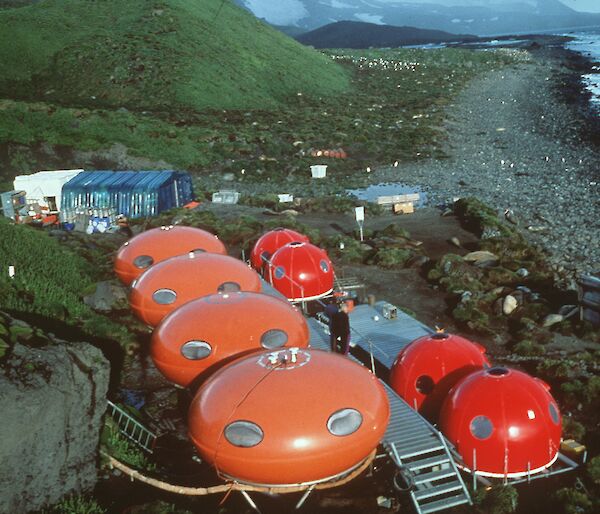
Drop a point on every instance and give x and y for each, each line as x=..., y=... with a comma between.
x=158, y=244
x=426, y=369
x=272, y=241
x=171, y=283
x=301, y=271
x=502, y=422
x=284, y=417
x=204, y=334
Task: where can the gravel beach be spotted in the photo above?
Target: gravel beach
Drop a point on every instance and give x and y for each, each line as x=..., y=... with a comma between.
x=515, y=143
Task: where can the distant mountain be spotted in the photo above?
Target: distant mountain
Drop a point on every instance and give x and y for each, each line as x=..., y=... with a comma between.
x=481, y=17
x=357, y=34
x=291, y=30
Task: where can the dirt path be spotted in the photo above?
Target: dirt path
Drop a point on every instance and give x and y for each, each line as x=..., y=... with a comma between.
x=513, y=144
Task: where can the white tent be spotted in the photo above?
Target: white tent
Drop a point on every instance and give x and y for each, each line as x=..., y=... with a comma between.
x=45, y=187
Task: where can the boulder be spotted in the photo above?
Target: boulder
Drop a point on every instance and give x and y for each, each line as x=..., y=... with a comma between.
x=552, y=319
x=109, y=295
x=509, y=305
x=52, y=400
x=483, y=259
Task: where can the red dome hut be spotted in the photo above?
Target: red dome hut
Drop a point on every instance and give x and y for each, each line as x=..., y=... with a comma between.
x=426, y=370
x=158, y=244
x=301, y=271
x=272, y=241
x=171, y=283
x=283, y=417
x=503, y=422
x=205, y=334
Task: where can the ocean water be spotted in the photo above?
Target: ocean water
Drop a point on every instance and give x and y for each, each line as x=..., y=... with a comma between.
x=588, y=44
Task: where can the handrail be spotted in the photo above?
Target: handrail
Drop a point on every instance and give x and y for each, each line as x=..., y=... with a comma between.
x=285, y=275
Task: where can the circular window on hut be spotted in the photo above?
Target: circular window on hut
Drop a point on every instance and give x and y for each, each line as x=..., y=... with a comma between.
x=229, y=287
x=274, y=338
x=425, y=384
x=553, y=413
x=164, y=296
x=481, y=427
x=196, y=350
x=279, y=272
x=244, y=434
x=143, y=261
x=344, y=422
x=324, y=265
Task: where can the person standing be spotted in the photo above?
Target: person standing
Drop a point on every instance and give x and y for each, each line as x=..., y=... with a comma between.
x=340, y=330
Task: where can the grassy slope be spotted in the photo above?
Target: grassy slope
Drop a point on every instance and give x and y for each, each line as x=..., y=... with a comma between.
x=155, y=55
x=50, y=280
x=393, y=112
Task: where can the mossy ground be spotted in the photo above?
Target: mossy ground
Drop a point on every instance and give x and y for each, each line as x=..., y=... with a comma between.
x=389, y=106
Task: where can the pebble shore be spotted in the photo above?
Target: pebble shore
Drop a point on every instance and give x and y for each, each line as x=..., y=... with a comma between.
x=513, y=143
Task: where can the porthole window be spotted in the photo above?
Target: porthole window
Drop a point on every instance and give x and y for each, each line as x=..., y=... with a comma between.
x=324, y=265
x=425, y=384
x=274, y=338
x=164, y=296
x=553, y=413
x=481, y=427
x=244, y=434
x=344, y=422
x=229, y=287
x=196, y=350
x=279, y=272
x=143, y=261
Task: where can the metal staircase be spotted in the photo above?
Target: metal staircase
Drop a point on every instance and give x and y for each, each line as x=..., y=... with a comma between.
x=423, y=458
x=131, y=428
x=419, y=451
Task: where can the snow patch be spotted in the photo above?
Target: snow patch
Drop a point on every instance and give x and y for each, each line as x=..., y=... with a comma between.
x=369, y=18
x=282, y=12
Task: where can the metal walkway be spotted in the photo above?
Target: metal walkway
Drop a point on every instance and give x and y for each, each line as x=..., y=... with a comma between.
x=372, y=330
x=419, y=450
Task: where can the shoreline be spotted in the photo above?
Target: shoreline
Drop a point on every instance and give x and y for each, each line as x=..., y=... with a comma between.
x=527, y=139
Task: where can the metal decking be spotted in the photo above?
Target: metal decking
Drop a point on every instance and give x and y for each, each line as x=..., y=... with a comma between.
x=372, y=331
x=414, y=445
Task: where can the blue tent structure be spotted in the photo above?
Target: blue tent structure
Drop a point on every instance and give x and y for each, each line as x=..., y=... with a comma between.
x=135, y=194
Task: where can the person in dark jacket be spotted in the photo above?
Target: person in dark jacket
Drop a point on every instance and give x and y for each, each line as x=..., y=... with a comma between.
x=340, y=330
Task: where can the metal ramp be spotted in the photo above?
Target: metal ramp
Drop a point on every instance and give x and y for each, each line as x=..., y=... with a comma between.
x=419, y=450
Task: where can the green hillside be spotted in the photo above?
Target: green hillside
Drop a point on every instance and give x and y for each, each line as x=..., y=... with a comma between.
x=155, y=55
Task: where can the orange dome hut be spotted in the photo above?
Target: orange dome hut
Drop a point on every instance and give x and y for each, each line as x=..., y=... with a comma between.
x=425, y=370
x=301, y=271
x=503, y=422
x=284, y=418
x=272, y=241
x=157, y=244
x=203, y=335
x=171, y=283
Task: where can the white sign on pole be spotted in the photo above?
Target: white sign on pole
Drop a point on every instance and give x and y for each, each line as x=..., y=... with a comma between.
x=359, y=213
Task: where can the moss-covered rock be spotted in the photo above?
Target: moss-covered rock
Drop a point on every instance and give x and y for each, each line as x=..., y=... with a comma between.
x=480, y=219
x=392, y=257
x=529, y=348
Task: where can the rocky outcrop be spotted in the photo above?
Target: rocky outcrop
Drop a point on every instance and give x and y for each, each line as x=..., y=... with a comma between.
x=52, y=399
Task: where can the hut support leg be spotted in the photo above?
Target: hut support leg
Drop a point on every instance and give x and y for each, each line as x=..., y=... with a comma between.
x=250, y=501
x=305, y=497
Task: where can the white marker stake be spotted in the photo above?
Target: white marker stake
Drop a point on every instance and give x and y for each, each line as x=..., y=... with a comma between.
x=359, y=212
x=11, y=271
